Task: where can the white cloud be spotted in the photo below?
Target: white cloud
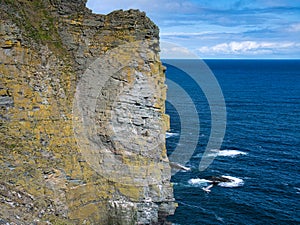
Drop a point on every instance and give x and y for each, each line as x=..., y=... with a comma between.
x=187, y=34
x=213, y=25
x=248, y=47
x=174, y=51
x=294, y=27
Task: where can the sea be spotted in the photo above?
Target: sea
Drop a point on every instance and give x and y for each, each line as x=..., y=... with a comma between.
x=260, y=151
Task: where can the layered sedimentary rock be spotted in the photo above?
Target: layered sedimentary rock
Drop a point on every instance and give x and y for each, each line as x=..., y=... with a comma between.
x=82, y=120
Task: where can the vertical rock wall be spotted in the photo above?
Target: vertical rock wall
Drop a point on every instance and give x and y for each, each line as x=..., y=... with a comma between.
x=82, y=123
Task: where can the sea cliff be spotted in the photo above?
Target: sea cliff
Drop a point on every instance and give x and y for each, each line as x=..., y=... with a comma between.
x=82, y=116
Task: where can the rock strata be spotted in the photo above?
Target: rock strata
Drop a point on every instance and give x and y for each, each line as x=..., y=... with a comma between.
x=82, y=116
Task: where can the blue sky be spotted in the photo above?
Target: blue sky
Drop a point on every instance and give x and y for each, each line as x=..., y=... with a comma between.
x=223, y=28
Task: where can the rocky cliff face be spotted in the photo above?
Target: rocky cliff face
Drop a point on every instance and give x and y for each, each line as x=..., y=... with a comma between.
x=81, y=116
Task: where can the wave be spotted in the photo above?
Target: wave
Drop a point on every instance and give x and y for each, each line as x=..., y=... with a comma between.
x=222, y=153
x=227, y=152
x=198, y=182
x=235, y=182
x=169, y=134
x=231, y=153
x=199, y=155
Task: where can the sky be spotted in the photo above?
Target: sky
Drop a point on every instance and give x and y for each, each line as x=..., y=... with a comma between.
x=221, y=28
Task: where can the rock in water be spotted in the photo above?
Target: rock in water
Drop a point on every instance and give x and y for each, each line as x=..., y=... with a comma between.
x=217, y=180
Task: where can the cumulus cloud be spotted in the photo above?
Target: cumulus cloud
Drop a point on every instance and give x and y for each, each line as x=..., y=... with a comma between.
x=271, y=26
x=248, y=47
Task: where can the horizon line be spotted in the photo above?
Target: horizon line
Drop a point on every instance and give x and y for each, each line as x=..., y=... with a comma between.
x=232, y=58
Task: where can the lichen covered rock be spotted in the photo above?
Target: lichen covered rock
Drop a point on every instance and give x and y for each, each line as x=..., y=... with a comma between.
x=82, y=123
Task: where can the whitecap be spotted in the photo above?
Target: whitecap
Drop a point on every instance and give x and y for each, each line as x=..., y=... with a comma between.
x=231, y=153
x=235, y=182
x=225, y=153
x=198, y=182
x=199, y=155
x=169, y=134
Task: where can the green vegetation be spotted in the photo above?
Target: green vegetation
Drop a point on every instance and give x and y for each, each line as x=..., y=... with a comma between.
x=35, y=19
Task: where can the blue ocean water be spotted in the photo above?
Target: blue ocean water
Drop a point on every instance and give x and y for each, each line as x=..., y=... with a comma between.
x=260, y=149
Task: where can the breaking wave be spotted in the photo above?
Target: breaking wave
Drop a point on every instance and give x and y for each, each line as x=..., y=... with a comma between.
x=235, y=182
x=227, y=153
x=169, y=134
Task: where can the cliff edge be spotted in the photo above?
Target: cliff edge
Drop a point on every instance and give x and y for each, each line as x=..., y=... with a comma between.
x=82, y=116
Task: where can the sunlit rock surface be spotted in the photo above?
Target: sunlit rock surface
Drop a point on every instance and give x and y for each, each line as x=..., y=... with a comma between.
x=82, y=123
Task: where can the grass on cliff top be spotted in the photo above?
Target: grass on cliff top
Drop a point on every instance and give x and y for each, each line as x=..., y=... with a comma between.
x=35, y=19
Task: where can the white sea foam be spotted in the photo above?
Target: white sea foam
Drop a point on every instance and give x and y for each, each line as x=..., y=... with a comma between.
x=226, y=153
x=235, y=182
x=203, y=183
x=169, y=134
x=199, y=155
x=231, y=153
x=198, y=182
x=221, y=153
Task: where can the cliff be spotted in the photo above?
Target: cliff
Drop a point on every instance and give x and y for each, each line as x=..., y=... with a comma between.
x=82, y=120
